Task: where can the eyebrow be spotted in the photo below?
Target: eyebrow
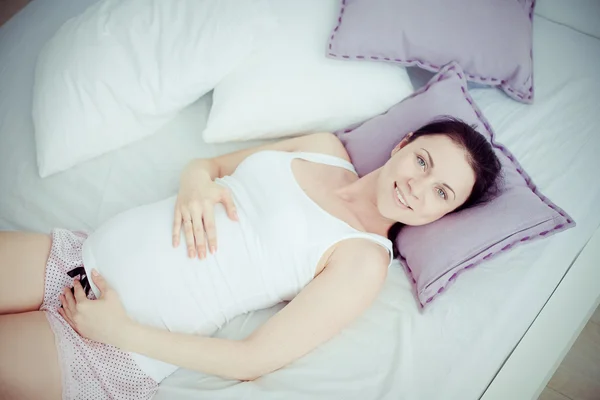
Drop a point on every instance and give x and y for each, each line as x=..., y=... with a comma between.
x=432, y=165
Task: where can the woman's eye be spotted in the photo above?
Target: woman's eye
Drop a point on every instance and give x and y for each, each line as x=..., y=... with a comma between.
x=442, y=194
x=421, y=162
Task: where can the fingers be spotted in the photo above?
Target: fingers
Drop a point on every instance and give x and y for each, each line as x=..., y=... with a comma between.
x=211, y=230
x=176, y=227
x=69, y=303
x=230, y=205
x=67, y=318
x=188, y=232
x=195, y=215
x=99, y=282
x=69, y=299
x=78, y=292
x=198, y=228
x=193, y=230
x=68, y=307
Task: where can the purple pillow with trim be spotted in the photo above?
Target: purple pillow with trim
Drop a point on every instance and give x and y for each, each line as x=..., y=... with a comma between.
x=462, y=240
x=490, y=39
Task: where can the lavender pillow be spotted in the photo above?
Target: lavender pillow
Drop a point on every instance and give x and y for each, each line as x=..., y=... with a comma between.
x=519, y=214
x=490, y=39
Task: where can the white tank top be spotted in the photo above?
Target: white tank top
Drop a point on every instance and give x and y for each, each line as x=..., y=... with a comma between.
x=268, y=256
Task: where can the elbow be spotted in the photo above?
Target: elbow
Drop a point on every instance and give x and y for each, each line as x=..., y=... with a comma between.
x=248, y=377
x=250, y=373
x=254, y=363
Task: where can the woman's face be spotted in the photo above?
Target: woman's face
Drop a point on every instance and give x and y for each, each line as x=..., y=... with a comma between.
x=424, y=180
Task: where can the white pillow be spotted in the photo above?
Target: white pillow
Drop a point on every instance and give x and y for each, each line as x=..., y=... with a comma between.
x=123, y=68
x=289, y=86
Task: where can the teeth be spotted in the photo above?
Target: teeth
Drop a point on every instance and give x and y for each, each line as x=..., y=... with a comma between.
x=400, y=198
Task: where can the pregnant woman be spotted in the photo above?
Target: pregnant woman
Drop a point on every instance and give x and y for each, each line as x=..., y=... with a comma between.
x=110, y=315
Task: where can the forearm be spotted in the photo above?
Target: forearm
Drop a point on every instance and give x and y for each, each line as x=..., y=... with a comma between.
x=226, y=358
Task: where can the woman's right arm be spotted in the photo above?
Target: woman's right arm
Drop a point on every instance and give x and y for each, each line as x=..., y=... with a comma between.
x=226, y=164
x=198, y=194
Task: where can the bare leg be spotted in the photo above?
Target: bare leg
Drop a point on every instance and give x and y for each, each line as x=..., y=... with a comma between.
x=23, y=259
x=29, y=366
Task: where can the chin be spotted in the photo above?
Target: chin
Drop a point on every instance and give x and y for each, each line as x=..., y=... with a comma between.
x=408, y=222
x=403, y=220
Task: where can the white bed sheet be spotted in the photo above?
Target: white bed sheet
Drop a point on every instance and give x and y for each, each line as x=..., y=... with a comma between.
x=394, y=351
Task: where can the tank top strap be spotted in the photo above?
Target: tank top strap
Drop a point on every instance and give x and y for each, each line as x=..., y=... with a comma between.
x=325, y=159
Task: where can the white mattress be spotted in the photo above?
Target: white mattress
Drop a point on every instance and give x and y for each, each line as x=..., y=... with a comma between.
x=454, y=348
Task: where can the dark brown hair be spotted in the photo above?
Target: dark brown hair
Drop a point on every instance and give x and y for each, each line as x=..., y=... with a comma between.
x=481, y=158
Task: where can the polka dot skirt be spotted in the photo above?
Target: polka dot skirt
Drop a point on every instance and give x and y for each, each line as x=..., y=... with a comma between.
x=90, y=370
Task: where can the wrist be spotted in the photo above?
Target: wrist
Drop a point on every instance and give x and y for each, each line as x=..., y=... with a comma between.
x=199, y=170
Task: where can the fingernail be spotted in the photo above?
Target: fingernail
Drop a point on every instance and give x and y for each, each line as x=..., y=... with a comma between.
x=94, y=272
x=213, y=249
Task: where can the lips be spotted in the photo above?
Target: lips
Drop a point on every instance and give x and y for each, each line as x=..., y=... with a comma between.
x=400, y=199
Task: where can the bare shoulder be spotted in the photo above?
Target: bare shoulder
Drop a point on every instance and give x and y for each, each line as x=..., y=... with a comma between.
x=362, y=255
x=323, y=142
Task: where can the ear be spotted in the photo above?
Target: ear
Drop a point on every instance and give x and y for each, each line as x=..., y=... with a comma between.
x=402, y=143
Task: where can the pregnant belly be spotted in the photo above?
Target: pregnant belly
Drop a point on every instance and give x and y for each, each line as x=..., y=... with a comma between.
x=160, y=285
x=127, y=251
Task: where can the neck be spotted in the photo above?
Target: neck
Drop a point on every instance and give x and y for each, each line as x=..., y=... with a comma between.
x=361, y=198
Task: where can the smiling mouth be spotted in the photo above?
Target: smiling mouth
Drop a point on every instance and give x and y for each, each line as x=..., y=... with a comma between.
x=400, y=198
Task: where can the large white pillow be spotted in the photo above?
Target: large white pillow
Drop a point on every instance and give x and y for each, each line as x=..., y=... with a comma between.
x=290, y=86
x=123, y=68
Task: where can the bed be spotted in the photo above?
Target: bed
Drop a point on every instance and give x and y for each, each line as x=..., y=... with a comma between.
x=493, y=336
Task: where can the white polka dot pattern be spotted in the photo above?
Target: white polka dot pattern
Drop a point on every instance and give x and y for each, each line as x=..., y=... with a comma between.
x=90, y=370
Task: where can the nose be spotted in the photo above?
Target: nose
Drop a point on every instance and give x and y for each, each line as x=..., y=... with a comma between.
x=416, y=187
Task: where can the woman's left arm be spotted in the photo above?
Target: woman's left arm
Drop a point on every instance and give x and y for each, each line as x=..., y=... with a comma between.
x=345, y=288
